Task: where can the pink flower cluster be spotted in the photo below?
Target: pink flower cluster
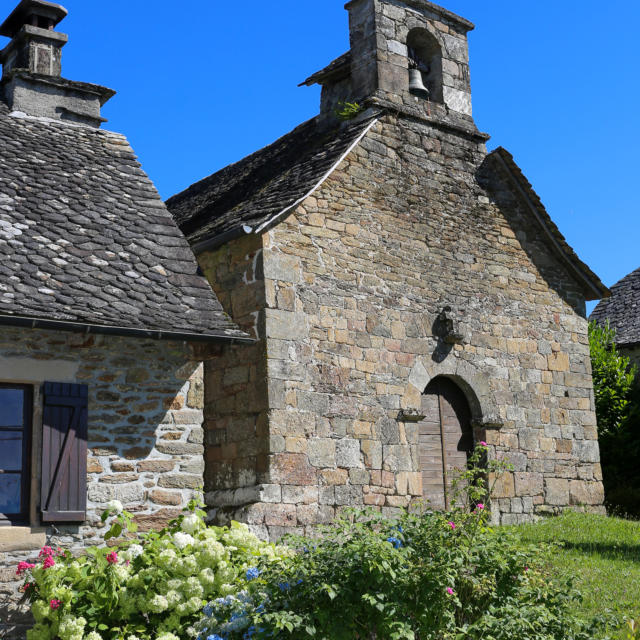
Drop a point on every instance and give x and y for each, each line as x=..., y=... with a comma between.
x=48, y=562
x=112, y=558
x=450, y=591
x=452, y=524
x=55, y=604
x=24, y=566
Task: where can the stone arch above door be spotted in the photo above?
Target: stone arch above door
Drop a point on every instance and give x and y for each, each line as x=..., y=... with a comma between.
x=473, y=382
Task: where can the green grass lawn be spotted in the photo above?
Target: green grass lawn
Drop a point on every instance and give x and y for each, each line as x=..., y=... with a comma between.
x=602, y=555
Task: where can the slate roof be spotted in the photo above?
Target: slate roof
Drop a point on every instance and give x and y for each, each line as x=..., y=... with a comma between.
x=257, y=191
x=336, y=70
x=622, y=310
x=593, y=287
x=86, y=240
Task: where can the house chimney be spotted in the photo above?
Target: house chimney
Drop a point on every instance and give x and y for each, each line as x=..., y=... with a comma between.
x=32, y=81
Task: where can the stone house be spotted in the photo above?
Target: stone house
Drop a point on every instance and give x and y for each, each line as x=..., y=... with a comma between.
x=102, y=314
x=622, y=310
x=409, y=295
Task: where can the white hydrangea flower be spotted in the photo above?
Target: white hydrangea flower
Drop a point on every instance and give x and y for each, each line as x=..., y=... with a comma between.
x=167, y=636
x=94, y=635
x=121, y=572
x=207, y=577
x=167, y=557
x=173, y=598
x=115, y=506
x=135, y=550
x=181, y=540
x=158, y=604
x=191, y=523
x=71, y=628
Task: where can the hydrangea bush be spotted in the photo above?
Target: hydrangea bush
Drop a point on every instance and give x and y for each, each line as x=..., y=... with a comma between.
x=421, y=576
x=149, y=588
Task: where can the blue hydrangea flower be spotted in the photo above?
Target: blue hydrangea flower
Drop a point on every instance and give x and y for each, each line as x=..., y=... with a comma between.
x=284, y=586
x=208, y=611
x=252, y=573
x=396, y=542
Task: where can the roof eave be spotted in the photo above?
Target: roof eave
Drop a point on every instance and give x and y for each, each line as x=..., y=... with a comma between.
x=127, y=332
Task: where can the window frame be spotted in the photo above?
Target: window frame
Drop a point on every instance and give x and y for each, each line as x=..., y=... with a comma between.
x=23, y=517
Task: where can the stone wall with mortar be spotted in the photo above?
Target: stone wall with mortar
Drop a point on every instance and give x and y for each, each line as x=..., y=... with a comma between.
x=237, y=386
x=412, y=221
x=145, y=436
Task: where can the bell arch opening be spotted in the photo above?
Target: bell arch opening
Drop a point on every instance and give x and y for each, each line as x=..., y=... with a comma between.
x=446, y=441
x=425, y=65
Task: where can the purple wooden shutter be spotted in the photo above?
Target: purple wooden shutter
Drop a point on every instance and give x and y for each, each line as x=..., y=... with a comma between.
x=64, y=452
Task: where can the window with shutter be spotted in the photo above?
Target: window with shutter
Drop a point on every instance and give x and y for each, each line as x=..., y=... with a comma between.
x=15, y=448
x=64, y=452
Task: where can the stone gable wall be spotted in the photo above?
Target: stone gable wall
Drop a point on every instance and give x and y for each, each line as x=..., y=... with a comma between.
x=354, y=280
x=145, y=436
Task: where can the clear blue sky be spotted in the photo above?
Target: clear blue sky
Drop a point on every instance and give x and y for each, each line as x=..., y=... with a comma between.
x=202, y=83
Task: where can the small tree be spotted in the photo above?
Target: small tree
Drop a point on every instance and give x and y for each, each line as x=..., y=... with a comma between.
x=613, y=378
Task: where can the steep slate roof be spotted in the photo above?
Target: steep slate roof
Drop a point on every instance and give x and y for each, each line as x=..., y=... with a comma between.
x=86, y=241
x=593, y=287
x=254, y=193
x=336, y=70
x=622, y=310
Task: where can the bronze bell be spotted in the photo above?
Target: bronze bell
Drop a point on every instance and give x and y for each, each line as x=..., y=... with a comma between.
x=416, y=85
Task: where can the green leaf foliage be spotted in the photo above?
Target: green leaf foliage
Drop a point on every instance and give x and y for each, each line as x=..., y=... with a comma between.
x=613, y=378
x=423, y=575
x=617, y=399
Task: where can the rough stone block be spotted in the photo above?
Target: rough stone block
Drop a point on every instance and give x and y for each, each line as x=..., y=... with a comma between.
x=528, y=484
x=556, y=491
x=292, y=468
x=348, y=453
x=322, y=452
x=586, y=493
x=504, y=486
x=180, y=481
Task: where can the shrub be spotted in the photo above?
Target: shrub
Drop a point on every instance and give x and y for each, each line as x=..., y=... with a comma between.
x=421, y=576
x=152, y=588
x=612, y=378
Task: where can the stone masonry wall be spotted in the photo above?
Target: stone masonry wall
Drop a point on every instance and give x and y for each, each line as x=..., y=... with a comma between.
x=236, y=394
x=354, y=280
x=145, y=436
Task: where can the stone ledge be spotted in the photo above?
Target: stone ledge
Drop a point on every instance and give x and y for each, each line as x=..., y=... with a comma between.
x=22, y=538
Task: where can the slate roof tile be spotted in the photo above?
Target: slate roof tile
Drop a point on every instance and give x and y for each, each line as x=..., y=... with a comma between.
x=85, y=237
x=622, y=310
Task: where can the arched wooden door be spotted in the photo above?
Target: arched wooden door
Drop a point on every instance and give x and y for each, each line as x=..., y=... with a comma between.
x=446, y=439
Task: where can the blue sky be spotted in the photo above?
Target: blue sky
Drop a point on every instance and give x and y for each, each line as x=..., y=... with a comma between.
x=203, y=83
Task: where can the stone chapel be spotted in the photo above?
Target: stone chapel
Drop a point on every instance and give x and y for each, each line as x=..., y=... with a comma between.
x=408, y=293
x=333, y=321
